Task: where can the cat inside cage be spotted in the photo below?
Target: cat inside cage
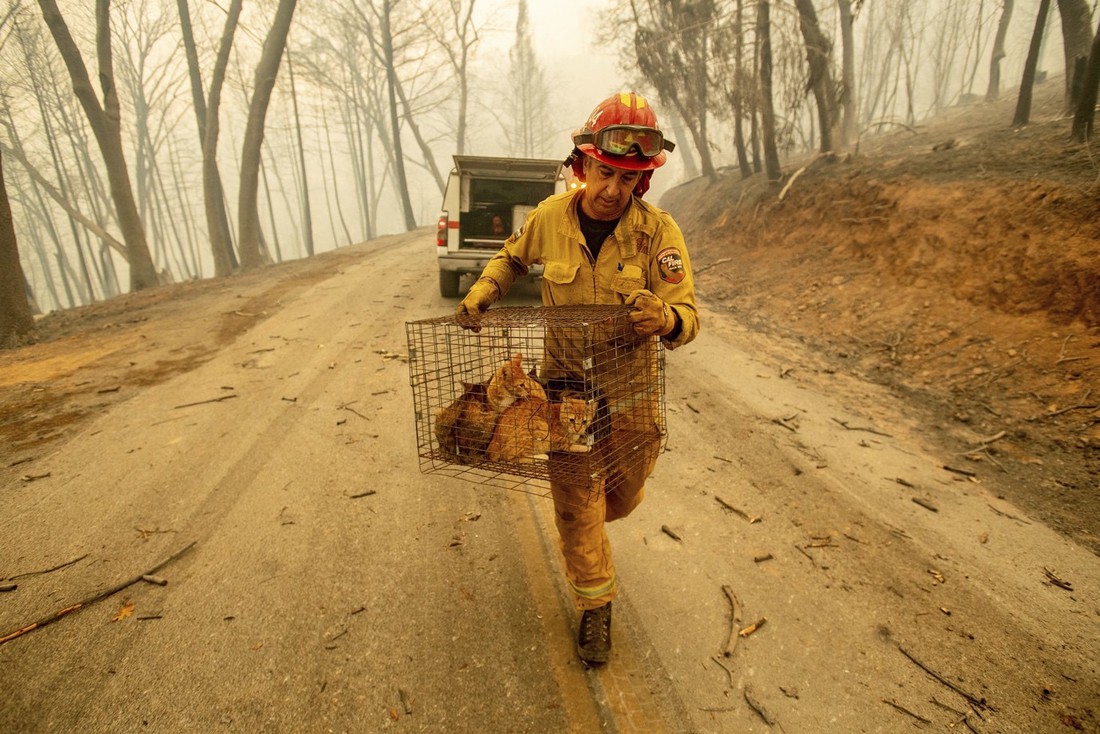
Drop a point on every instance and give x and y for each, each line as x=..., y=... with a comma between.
x=535, y=392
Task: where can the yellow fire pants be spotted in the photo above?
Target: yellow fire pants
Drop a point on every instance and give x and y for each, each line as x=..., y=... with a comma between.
x=582, y=505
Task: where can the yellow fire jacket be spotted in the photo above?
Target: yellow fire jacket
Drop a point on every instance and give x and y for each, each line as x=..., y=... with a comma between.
x=646, y=250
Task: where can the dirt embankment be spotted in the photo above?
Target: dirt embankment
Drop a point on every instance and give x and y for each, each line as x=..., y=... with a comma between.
x=959, y=264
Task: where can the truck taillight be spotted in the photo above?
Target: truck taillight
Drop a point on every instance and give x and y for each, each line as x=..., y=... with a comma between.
x=441, y=231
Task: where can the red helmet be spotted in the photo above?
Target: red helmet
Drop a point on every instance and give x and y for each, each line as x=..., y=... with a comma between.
x=622, y=132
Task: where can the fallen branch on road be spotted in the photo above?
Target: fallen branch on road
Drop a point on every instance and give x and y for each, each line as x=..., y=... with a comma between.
x=729, y=673
x=964, y=717
x=1055, y=581
x=926, y=504
x=862, y=428
x=753, y=627
x=785, y=422
x=671, y=533
x=906, y=711
x=974, y=700
x=92, y=599
x=1010, y=517
x=48, y=570
x=740, y=513
x=758, y=707
x=347, y=407
x=735, y=619
x=204, y=402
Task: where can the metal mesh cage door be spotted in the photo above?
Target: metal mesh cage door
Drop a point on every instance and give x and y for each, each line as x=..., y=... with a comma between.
x=525, y=394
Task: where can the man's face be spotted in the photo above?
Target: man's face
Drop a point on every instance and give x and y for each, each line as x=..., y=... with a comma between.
x=607, y=189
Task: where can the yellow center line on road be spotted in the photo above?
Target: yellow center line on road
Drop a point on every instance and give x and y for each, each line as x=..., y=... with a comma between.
x=613, y=697
x=580, y=708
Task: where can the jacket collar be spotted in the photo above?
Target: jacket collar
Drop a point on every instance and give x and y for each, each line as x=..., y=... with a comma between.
x=633, y=221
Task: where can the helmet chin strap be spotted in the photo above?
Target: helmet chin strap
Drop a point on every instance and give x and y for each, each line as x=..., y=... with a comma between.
x=576, y=162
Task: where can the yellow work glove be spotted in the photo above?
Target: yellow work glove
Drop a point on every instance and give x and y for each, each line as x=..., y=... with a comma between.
x=651, y=315
x=481, y=295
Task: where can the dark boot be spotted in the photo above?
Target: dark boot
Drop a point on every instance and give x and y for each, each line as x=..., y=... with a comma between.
x=594, y=636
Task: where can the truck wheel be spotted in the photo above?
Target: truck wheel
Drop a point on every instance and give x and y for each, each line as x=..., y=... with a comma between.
x=448, y=283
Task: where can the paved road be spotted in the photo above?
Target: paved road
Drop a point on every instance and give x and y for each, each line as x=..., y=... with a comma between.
x=332, y=587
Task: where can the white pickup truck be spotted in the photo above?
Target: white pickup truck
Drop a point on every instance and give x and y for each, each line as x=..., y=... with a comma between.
x=486, y=200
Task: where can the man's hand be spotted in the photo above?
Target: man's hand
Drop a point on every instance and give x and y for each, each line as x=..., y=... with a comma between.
x=481, y=295
x=651, y=315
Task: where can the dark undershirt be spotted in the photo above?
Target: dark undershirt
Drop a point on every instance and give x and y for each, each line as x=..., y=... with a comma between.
x=595, y=231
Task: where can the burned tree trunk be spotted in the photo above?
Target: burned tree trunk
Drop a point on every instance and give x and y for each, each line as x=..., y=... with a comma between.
x=993, y=91
x=217, y=220
x=1023, y=103
x=849, y=102
x=16, y=321
x=1085, y=116
x=266, y=71
x=105, y=122
x=767, y=104
x=818, y=51
x=1077, y=39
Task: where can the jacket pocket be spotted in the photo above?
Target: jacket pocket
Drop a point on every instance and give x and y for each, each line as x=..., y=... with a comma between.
x=559, y=272
x=628, y=281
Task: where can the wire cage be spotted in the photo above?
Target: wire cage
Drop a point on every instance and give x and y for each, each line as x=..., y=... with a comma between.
x=521, y=395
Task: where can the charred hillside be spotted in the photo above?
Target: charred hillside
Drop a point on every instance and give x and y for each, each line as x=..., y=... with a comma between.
x=958, y=262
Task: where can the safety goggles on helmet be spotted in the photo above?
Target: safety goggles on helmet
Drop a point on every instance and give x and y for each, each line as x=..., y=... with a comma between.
x=624, y=139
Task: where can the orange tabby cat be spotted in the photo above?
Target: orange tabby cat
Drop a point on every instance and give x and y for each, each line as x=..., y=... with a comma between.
x=465, y=427
x=522, y=433
x=532, y=427
x=569, y=420
x=510, y=383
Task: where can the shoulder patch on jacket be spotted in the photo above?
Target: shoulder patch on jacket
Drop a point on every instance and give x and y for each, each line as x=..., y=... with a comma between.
x=670, y=264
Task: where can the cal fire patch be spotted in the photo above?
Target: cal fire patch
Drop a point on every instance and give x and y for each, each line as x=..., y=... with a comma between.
x=670, y=264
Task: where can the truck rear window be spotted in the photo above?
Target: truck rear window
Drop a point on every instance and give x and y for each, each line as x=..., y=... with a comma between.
x=489, y=192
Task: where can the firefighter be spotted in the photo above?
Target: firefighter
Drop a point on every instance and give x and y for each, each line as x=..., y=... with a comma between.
x=602, y=244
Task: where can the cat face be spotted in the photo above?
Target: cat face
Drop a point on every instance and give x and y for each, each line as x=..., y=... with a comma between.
x=516, y=381
x=510, y=383
x=576, y=414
